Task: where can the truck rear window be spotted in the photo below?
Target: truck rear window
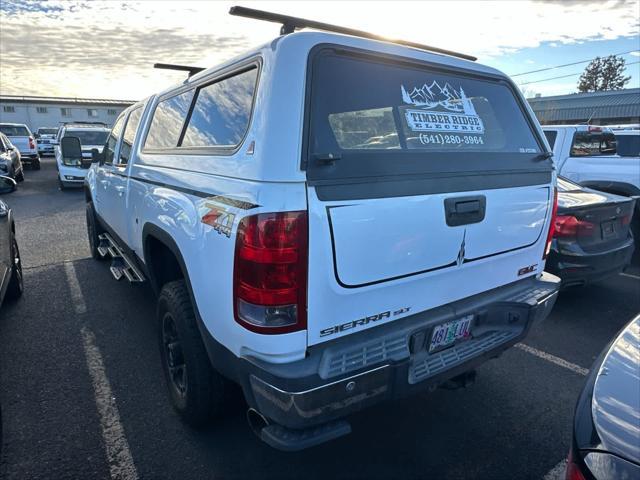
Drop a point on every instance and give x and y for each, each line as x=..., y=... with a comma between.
x=14, y=131
x=588, y=144
x=364, y=106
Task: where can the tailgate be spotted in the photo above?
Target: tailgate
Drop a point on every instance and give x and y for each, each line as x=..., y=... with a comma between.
x=424, y=188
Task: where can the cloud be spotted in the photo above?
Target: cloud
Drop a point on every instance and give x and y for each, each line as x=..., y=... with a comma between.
x=106, y=49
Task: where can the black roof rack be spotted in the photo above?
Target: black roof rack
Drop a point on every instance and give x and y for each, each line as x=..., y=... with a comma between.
x=183, y=68
x=290, y=24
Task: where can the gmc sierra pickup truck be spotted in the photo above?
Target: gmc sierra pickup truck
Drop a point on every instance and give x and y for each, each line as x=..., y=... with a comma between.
x=328, y=241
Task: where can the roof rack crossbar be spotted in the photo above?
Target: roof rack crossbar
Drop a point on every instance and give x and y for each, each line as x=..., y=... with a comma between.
x=183, y=68
x=290, y=24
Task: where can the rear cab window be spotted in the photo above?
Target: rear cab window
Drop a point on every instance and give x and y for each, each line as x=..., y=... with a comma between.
x=413, y=119
x=15, y=131
x=593, y=143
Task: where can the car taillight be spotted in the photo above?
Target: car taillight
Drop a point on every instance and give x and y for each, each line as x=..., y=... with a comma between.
x=573, y=471
x=570, y=226
x=625, y=220
x=270, y=272
x=554, y=212
x=32, y=144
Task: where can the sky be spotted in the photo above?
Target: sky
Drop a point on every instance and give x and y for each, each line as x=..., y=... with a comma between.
x=107, y=49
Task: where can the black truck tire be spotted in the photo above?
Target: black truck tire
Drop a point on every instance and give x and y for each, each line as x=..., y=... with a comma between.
x=197, y=391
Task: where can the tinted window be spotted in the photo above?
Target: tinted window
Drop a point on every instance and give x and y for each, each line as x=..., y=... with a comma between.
x=221, y=113
x=167, y=122
x=112, y=141
x=593, y=143
x=129, y=135
x=628, y=145
x=14, y=131
x=89, y=137
x=551, y=137
x=411, y=108
x=47, y=131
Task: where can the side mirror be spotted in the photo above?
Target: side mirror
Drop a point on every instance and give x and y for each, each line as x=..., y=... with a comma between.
x=36, y=135
x=71, y=149
x=7, y=184
x=97, y=156
x=11, y=148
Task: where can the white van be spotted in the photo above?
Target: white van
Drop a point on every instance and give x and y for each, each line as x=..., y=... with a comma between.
x=329, y=221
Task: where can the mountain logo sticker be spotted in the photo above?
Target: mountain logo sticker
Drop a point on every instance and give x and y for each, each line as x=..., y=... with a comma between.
x=440, y=108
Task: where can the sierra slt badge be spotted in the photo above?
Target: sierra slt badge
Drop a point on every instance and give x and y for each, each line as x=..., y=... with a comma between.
x=363, y=321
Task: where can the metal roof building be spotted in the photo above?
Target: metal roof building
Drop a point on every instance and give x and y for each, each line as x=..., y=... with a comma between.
x=38, y=112
x=602, y=108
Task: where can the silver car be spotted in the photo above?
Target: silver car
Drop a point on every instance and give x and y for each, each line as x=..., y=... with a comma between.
x=10, y=162
x=25, y=142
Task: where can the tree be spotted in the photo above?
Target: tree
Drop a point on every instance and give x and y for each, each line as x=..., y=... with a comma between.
x=603, y=74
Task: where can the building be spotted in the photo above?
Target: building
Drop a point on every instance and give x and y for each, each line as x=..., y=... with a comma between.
x=613, y=107
x=38, y=112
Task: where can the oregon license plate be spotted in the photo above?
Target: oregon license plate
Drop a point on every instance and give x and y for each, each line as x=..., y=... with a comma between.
x=447, y=333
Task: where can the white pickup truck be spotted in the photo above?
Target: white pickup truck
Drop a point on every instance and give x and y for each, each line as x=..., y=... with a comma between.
x=329, y=221
x=588, y=155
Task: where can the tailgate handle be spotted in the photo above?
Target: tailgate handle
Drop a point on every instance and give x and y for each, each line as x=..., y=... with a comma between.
x=464, y=210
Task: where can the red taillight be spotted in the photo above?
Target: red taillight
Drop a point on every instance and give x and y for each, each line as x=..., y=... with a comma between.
x=625, y=220
x=573, y=471
x=270, y=272
x=32, y=144
x=595, y=129
x=554, y=212
x=570, y=226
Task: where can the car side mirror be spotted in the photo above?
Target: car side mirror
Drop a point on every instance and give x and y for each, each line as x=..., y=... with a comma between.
x=71, y=148
x=7, y=184
x=36, y=135
x=11, y=148
x=97, y=156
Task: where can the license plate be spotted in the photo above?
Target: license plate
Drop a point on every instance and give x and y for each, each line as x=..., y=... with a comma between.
x=447, y=333
x=608, y=229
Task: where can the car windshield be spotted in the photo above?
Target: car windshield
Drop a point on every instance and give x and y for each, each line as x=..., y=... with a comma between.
x=89, y=137
x=628, y=145
x=14, y=130
x=47, y=131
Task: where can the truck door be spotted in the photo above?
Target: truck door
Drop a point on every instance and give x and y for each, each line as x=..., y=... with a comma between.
x=103, y=172
x=115, y=194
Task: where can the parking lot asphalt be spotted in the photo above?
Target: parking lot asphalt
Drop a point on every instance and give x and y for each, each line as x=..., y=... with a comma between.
x=83, y=395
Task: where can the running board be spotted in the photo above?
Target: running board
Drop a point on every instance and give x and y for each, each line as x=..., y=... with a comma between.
x=121, y=265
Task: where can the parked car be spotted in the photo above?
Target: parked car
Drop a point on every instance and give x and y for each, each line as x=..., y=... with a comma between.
x=46, y=138
x=72, y=169
x=11, y=284
x=10, y=163
x=320, y=276
x=606, y=426
x=592, y=239
x=587, y=154
x=22, y=138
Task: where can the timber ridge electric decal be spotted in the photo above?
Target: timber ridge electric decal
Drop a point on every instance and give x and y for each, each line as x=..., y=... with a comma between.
x=441, y=109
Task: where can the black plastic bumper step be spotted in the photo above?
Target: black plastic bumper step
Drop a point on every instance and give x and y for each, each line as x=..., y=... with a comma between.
x=290, y=440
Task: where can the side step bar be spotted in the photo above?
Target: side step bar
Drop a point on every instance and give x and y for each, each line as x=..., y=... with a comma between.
x=121, y=265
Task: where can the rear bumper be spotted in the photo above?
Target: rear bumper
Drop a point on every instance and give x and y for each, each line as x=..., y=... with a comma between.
x=46, y=148
x=581, y=268
x=29, y=156
x=389, y=361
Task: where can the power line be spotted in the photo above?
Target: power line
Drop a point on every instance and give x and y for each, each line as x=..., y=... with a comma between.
x=565, y=76
x=567, y=64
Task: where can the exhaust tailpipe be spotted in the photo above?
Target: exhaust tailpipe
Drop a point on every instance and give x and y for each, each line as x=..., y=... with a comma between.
x=256, y=421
